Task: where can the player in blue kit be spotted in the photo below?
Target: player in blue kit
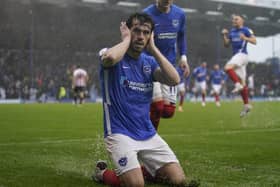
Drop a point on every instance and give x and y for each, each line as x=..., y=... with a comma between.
x=200, y=75
x=127, y=76
x=217, y=79
x=238, y=37
x=170, y=39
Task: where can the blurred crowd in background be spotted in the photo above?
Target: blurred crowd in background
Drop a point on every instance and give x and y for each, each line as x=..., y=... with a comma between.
x=19, y=80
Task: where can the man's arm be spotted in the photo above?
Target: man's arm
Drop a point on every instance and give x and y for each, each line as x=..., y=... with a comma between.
x=225, y=37
x=166, y=74
x=182, y=46
x=114, y=54
x=252, y=39
x=184, y=60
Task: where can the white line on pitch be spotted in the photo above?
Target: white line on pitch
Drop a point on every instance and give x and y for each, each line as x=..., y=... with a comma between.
x=48, y=142
x=225, y=132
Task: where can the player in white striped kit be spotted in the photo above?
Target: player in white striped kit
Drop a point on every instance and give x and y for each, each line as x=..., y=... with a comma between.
x=79, y=82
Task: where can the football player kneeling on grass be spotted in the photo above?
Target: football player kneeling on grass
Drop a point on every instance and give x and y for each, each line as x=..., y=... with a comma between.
x=127, y=76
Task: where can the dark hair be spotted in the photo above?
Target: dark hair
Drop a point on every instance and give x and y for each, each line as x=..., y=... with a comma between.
x=141, y=17
x=243, y=16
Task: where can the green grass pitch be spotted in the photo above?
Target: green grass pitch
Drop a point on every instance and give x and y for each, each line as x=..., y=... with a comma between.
x=56, y=145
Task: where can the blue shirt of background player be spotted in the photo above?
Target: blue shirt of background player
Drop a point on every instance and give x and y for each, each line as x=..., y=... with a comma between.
x=127, y=94
x=200, y=74
x=239, y=45
x=169, y=31
x=217, y=76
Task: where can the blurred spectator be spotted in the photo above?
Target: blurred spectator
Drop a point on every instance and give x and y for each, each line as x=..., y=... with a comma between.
x=61, y=93
x=2, y=93
x=33, y=94
x=251, y=85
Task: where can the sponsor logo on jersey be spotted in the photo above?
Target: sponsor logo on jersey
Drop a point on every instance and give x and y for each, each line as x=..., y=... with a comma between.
x=136, y=86
x=168, y=35
x=123, y=161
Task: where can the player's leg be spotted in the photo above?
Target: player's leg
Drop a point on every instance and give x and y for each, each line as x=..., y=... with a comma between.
x=230, y=69
x=244, y=92
x=82, y=95
x=169, y=98
x=171, y=173
x=104, y=175
x=123, y=153
x=156, y=107
x=133, y=177
x=181, y=101
x=182, y=91
x=216, y=91
x=75, y=95
x=203, y=92
x=161, y=162
x=196, y=89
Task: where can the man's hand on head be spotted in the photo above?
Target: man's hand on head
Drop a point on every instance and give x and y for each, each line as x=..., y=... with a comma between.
x=125, y=32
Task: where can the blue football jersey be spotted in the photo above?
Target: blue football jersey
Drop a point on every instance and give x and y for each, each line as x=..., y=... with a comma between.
x=217, y=76
x=239, y=45
x=169, y=31
x=200, y=74
x=127, y=93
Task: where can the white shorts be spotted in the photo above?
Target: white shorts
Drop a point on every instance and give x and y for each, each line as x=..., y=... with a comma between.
x=216, y=88
x=126, y=153
x=240, y=60
x=181, y=87
x=168, y=93
x=199, y=86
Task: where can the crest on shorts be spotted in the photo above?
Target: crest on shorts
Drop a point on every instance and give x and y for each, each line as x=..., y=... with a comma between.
x=123, y=161
x=175, y=22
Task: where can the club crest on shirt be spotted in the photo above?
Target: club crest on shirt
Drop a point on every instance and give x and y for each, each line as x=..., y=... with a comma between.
x=123, y=161
x=175, y=22
x=147, y=69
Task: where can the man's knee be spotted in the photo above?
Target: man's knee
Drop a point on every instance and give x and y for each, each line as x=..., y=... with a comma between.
x=172, y=174
x=229, y=66
x=132, y=178
x=168, y=111
x=226, y=68
x=134, y=182
x=177, y=180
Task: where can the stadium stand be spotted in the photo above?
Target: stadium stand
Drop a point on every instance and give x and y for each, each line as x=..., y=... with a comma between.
x=41, y=41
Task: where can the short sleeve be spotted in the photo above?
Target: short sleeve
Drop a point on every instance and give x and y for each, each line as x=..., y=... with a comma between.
x=153, y=63
x=249, y=32
x=102, y=51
